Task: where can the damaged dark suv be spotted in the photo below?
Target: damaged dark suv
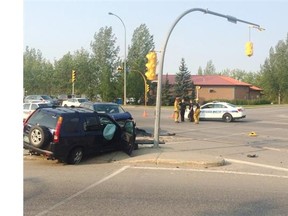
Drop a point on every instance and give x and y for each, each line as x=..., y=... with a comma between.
x=69, y=134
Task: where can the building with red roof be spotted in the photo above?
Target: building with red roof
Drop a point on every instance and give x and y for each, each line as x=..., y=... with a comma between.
x=217, y=87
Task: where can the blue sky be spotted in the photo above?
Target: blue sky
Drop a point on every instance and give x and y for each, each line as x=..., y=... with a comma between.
x=58, y=27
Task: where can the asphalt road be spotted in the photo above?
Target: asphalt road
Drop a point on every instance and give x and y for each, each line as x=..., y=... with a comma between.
x=106, y=189
x=253, y=182
x=268, y=144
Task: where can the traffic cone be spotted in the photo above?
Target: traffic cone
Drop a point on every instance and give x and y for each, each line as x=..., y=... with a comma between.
x=145, y=114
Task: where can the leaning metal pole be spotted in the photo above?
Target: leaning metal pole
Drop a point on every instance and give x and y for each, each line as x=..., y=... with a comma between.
x=161, y=63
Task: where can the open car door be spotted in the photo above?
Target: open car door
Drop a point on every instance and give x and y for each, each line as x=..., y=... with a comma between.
x=128, y=137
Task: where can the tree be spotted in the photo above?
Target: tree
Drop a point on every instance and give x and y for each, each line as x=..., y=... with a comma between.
x=63, y=70
x=86, y=80
x=242, y=75
x=141, y=44
x=37, y=73
x=104, y=61
x=166, y=96
x=183, y=82
x=200, y=71
x=210, y=68
x=274, y=73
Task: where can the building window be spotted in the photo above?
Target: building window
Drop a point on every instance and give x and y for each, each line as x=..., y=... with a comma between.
x=212, y=91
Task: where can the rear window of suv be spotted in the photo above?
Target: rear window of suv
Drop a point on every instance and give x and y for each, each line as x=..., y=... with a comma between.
x=46, y=119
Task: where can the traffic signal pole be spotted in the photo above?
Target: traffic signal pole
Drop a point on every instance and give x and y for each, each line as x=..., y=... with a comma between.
x=72, y=89
x=145, y=87
x=161, y=62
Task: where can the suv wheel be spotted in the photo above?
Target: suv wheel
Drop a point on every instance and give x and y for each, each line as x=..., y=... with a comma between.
x=39, y=136
x=75, y=156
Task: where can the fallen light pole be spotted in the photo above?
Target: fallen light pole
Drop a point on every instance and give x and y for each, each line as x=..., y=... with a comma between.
x=161, y=63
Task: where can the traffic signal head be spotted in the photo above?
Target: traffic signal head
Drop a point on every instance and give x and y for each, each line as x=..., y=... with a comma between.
x=249, y=48
x=119, y=69
x=147, y=88
x=151, y=65
x=73, y=76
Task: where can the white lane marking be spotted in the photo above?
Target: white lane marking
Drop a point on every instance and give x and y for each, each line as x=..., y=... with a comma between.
x=275, y=149
x=257, y=164
x=84, y=190
x=212, y=171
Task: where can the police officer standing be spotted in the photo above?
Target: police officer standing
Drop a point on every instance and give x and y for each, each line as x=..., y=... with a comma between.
x=182, y=109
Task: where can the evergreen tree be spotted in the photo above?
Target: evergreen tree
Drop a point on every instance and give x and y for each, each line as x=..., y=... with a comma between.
x=183, y=82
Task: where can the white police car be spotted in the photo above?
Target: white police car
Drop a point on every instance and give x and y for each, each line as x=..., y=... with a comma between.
x=221, y=111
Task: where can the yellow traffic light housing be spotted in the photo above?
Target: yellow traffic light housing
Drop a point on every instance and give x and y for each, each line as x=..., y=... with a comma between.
x=119, y=69
x=147, y=88
x=249, y=48
x=73, y=76
x=151, y=65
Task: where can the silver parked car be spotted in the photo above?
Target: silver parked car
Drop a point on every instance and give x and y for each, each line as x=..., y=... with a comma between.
x=29, y=108
x=39, y=98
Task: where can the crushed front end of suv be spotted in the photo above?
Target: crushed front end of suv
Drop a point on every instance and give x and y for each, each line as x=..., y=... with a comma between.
x=70, y=134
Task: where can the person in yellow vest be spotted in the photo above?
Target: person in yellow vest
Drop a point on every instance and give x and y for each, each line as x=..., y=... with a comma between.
x=176, y=109
x=196, y=112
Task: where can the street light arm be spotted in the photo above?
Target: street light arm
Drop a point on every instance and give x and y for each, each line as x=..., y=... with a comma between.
x=119, y=19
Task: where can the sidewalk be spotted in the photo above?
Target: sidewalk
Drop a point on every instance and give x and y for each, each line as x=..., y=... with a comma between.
x=180, y=153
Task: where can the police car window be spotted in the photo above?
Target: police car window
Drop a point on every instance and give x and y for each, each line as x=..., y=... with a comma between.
x=218, y=106
x=208, y=106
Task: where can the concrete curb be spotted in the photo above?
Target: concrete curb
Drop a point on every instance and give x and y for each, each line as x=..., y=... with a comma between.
x=152, y=156
x=175, y=162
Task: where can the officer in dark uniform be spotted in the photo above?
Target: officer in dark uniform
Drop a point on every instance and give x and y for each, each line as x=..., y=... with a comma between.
x=182, y=109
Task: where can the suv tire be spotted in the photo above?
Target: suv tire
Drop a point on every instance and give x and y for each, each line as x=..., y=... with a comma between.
x=75, y=156
x=39, y=136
